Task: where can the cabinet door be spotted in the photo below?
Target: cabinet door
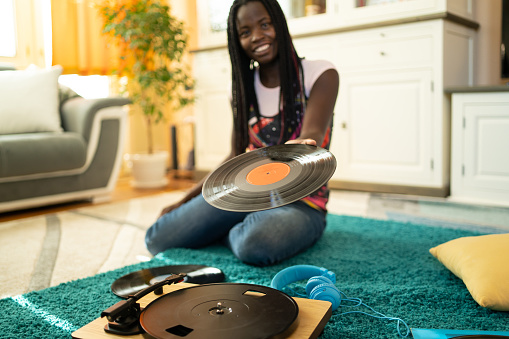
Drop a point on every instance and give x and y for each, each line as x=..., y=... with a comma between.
x=383, y=128
x=212, y=108
x=480, y=147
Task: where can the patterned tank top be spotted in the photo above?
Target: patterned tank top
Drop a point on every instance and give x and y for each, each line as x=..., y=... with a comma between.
x=268, y=131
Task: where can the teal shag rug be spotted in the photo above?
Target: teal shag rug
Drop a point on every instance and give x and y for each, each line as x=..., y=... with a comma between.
x=384, y=263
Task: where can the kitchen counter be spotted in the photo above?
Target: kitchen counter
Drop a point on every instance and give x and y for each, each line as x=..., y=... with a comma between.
x=478, y=89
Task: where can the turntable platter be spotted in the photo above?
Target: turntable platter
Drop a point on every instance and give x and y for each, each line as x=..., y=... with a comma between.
x=220, y=311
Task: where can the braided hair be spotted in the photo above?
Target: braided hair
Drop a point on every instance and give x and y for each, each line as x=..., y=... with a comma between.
x=243, y=92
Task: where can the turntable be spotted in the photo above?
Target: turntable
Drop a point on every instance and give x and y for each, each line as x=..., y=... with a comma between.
x=262, y=179
x=223, y=310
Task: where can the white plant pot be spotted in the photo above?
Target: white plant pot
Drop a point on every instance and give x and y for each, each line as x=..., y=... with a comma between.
x=148, y=170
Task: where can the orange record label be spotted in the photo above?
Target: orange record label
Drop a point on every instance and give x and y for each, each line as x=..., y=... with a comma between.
x=268, y=174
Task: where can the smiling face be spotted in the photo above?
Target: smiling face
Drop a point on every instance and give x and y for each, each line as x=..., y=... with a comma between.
x=256, y=33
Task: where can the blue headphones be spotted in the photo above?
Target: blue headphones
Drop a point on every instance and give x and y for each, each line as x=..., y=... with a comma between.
x=320, y=285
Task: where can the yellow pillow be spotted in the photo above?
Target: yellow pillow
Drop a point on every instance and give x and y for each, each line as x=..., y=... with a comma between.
x=482, y=262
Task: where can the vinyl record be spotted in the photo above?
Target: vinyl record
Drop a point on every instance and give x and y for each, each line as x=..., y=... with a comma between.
x=134, y=282
x=226, y=311
x=269, y=177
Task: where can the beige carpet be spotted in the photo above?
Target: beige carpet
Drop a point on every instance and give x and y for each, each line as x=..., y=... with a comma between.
x=47, y=250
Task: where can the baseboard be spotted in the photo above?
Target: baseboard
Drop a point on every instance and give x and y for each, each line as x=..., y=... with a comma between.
x=96, y=195
x=439, y=192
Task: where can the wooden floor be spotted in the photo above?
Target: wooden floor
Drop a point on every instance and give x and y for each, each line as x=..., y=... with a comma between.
x=123, y=191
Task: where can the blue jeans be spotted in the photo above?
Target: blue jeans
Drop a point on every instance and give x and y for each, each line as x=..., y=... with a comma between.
x=257, y=238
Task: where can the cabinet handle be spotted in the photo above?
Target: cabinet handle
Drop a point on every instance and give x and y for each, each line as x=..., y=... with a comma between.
x=382, y=53
x=343, y=125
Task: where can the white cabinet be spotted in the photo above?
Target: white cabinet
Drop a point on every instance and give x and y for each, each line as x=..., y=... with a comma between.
x=307, y=17
x=392, y=119
x=480, y=147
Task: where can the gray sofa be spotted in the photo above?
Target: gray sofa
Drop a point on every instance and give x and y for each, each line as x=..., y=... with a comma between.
x=81, y=161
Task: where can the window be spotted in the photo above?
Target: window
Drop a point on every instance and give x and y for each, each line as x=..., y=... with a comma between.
x=21, y=27
x=8, y=36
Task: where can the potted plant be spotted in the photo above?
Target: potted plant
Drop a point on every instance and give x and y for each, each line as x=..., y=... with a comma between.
x=152, y=45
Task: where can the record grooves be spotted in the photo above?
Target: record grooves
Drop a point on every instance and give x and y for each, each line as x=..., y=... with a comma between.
x=269, y=177
x=134, y=282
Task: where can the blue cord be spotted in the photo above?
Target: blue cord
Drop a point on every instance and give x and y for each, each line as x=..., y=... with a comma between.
x=358, y=302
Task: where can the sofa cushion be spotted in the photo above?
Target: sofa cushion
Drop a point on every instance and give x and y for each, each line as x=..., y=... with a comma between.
x=36, y=153
x=30, y=101
x=7, y=66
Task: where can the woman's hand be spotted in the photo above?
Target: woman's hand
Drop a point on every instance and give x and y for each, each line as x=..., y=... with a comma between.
x=302, y=141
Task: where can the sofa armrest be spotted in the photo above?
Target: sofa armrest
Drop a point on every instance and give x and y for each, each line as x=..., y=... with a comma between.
x=78, y=113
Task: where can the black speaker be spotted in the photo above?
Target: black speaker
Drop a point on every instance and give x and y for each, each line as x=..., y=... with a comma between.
x=504, y=46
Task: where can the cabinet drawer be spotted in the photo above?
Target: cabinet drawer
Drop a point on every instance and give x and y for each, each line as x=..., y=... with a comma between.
x=411, y=46
x=411, y=52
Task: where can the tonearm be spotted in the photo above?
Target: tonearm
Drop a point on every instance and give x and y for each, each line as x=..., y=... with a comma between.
x=124, y=316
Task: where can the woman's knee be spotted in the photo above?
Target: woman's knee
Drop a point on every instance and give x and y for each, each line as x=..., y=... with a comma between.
x=153, y=240
x=257, y=249
x=164, y=234
x=254, y=255
x=265, y=239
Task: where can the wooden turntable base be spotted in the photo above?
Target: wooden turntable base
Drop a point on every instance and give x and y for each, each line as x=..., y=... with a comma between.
x=312, y=318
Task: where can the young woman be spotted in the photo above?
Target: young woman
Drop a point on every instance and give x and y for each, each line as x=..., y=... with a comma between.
x=276, y=98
